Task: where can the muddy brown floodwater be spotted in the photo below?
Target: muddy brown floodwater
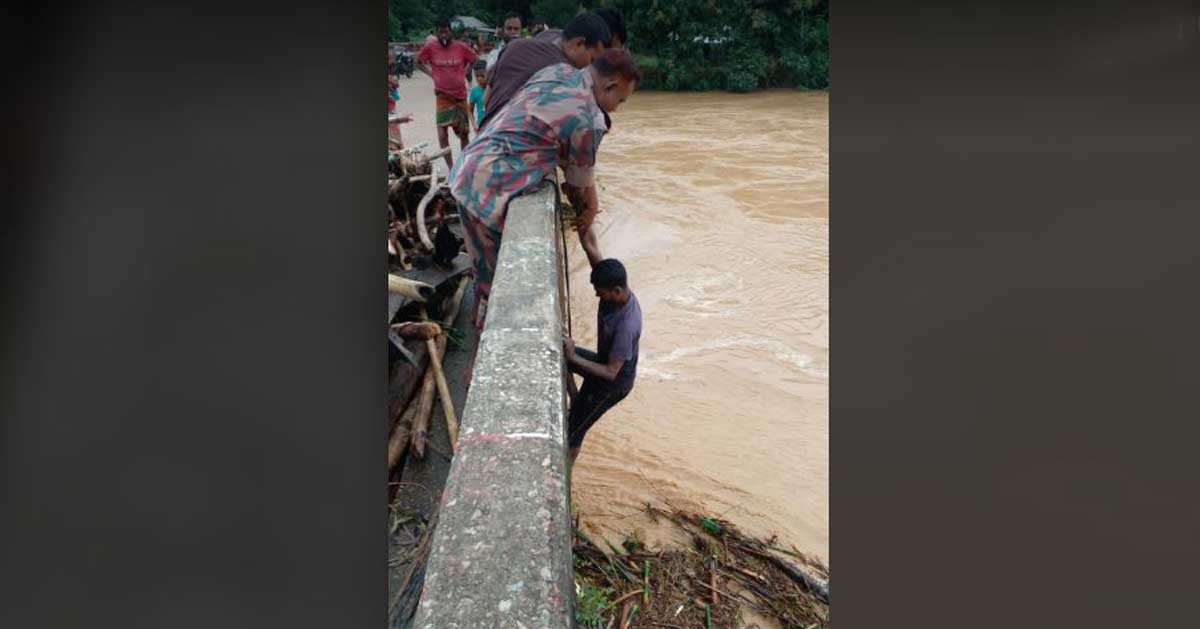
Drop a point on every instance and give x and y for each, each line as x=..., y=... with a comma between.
x=719, y=206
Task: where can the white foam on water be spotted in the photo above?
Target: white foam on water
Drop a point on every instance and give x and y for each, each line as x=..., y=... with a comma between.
x=778, y=350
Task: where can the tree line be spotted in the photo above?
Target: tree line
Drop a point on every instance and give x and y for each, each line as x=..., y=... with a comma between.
x=736, y=45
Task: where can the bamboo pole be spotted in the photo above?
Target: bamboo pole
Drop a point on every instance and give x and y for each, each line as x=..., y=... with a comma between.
x=434, y=380
x=398, y=441
x=418, y=291
x=420, y=430
x=451, y=311
x=409, y=375
x=424, y=159
x=422, y=230
x=393, y=181
x=448, y=316
x=436, y=349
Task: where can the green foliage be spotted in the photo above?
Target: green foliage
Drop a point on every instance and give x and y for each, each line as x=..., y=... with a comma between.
x=555, y=12
x=456, y=339
x=412, y=20
x=746, y=68
x=591, y=603
x=738, y=45
x=409, y=19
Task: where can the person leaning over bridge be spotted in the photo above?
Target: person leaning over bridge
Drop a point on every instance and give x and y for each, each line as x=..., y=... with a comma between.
x=557, y=120
x=608, y=373
x=585, y=36
x=611, y=17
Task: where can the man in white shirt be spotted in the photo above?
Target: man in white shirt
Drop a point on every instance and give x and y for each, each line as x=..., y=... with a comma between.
x=509, y=31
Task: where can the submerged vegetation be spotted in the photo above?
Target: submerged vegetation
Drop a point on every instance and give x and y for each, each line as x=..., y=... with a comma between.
x=708, y=583
x=693, y=45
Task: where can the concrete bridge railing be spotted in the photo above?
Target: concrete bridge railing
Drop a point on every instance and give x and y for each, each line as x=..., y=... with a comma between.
x=501, y=552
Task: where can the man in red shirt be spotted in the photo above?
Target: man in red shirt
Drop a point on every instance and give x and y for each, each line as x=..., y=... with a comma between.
x=446, y=61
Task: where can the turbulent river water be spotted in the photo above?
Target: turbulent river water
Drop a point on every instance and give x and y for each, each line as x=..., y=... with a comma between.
x=719, y=206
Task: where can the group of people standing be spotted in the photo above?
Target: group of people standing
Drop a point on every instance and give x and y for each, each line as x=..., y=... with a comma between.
x=540, y=104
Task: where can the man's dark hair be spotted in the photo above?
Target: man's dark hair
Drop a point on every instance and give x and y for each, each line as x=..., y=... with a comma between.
x=442, y=21
x=536, y=20
x=510, y=16
x=617, y=62
x=480, y=66
x=615, y=22
x=609, y=273
x=590, y=27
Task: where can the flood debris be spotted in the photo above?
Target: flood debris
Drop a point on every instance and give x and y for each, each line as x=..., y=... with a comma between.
x=705, y=584
x=409, y=561
x=421, y=327
x=412, y=408
x=427, y=280
x=418, y=200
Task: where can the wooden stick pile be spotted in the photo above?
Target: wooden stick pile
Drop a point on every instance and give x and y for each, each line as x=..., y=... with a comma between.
x=707, y=584
x=411, y=413
x=416, y=198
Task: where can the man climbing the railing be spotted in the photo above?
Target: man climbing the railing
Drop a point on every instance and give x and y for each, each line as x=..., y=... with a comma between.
x=609, y=372
x=557, y=120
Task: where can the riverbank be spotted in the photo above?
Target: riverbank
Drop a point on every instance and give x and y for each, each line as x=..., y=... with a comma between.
x=720, y=578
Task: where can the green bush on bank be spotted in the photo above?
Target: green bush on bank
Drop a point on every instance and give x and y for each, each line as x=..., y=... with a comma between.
x=736, y=45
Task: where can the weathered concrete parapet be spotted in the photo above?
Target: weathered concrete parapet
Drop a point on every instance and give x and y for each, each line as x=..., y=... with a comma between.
x=501, y=553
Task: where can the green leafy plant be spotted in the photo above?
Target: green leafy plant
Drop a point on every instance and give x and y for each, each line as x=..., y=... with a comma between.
x=456, y=338
x=591, y=603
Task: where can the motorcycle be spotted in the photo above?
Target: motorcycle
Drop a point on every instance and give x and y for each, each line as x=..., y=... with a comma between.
x=405, y=61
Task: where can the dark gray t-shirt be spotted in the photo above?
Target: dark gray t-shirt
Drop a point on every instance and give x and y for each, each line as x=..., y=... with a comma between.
x=620, y=329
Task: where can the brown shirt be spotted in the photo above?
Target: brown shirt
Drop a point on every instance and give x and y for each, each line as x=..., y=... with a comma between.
x=551, y=35
x=520, y=59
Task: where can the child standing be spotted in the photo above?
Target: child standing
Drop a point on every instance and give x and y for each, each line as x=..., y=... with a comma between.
x=475, y=98
x=393, y=97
